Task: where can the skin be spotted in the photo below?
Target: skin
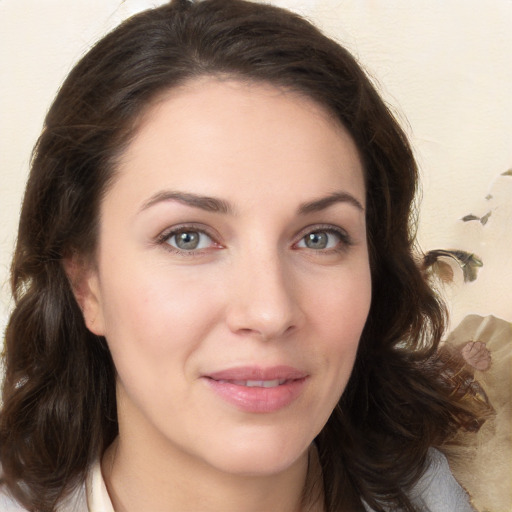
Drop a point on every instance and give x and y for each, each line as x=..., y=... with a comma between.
x=254, y=293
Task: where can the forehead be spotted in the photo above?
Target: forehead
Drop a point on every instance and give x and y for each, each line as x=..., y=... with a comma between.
x=240, y=137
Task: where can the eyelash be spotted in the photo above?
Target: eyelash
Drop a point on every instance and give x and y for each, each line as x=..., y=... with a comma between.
x=168, y=234
x=345, y=241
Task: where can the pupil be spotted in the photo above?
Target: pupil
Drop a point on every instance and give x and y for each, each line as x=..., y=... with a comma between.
x=316, y=240
x=187, y=240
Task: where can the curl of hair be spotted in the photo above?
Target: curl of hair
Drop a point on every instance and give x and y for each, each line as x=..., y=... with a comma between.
x=59, y=407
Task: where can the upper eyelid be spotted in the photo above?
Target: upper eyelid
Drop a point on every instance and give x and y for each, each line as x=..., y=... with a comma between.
x=322, y=227
x=185, y=226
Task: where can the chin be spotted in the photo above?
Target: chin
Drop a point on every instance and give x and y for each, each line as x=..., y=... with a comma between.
x=250, y=466
x=259, y=456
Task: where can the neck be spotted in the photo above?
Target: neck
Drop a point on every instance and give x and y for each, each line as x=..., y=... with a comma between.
x=165, y=482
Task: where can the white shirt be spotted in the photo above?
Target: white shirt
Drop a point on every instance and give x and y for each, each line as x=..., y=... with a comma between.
x=436, y=491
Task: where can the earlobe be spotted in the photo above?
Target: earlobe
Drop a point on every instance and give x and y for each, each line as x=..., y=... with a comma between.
x=84, y=281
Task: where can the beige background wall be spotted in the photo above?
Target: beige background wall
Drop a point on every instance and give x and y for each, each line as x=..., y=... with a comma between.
x=444, y=65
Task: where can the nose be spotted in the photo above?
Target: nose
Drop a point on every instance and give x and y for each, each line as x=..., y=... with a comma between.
x=263, y=298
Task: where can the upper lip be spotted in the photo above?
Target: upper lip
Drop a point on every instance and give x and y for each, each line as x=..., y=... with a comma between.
x=281, y=372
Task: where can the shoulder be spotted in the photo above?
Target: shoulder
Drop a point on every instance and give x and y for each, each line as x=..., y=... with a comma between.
x=437, y=490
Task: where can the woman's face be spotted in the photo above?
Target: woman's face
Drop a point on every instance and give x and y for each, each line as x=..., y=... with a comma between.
x=231, y=278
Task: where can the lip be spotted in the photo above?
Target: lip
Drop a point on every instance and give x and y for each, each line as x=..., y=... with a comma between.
x=258, y=399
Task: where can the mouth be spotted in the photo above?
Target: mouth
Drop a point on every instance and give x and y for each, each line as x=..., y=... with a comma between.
x=258, y=390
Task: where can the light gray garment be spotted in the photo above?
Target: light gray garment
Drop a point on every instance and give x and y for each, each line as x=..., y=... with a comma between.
x=436, y=491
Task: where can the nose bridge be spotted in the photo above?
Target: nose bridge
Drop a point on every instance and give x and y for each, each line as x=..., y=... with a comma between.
x=264, y=301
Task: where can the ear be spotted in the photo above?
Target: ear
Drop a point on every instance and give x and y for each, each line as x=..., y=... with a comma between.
x=84, y=280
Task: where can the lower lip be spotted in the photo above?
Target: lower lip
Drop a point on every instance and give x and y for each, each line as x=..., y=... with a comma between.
x=258, y=399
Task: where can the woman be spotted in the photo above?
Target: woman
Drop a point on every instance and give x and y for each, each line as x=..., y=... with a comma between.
x=217, y=304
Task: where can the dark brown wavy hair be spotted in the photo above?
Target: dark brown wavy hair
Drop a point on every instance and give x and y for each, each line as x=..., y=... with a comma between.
x=59, y=406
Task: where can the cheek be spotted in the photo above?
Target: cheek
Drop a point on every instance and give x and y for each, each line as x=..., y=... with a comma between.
x=339, y=316
x=336, y=320
x=155, y=314
x=343, y=306
x=155, y=323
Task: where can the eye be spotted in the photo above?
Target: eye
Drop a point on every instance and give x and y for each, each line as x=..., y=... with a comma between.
x=189, y=240
x=323, y=239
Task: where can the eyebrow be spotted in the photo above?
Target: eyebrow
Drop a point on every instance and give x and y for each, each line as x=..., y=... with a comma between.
x=324, y=202
x=209, y=204
x=212, y=204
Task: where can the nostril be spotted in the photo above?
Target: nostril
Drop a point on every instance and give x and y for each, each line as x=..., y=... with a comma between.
x=266, y=333
x=289, y=330
x=246, y=331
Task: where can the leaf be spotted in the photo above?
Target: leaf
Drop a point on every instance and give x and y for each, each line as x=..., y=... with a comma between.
x=485, y=218
x=507, y=173
x=469, y=217
x=468, y=262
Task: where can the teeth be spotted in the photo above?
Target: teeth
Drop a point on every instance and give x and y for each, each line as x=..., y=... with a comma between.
x=262, y=383
x=257, y=383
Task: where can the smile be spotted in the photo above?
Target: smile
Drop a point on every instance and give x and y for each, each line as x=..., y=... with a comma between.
x=258, y=390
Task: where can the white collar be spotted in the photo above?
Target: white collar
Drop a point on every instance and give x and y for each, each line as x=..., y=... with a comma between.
x=98, y=499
